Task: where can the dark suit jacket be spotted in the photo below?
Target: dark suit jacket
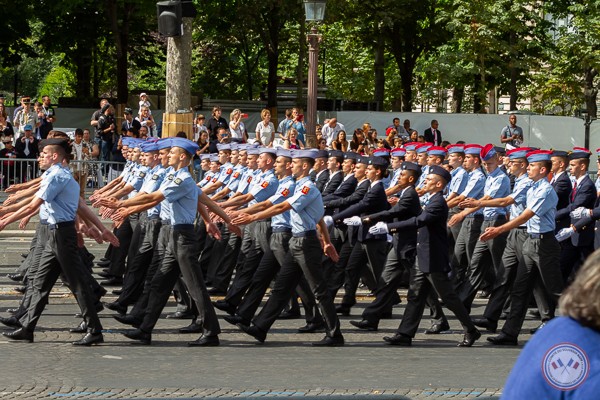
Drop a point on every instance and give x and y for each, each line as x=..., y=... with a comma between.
x=428, y=135
x=321, y=181
x=432, y=236
x=408, y=206
x=356, y=194
x=562, y=186
x=374, y=200
x=135, y=123
x=33, y=149
x=585, y=196
x=332, y=184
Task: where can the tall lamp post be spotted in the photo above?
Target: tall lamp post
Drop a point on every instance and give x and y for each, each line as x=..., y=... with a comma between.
x=315, y=11
x=587, y=122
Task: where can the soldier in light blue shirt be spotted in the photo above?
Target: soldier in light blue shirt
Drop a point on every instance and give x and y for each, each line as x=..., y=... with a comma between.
x=307, y=211
x=60, y=194
x=456, y=157
x=181, y=256
x=541, y=250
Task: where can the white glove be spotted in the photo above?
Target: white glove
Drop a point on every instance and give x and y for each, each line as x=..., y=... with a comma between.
x=580, y=212
x=390, y=239
x=328, y=220
x=564, y=234
x=353, y=221
x=379, y=228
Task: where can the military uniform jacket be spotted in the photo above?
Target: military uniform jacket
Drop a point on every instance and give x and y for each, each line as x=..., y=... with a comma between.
x=585, y=196
x=373, y=200
x=562, y=186
x=408, y=206
x=333, y=183
x=432, y=236
x=321, y=179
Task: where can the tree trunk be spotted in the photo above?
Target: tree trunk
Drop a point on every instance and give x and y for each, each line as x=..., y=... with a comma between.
x=379, y=67
x=83, y=67
x=590, y=92
x=179, y=70
x=477, y=97
x=458, y=94
x=406, y=76
x=121, y=37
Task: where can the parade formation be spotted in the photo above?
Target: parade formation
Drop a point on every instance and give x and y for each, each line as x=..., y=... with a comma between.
x=451, y=222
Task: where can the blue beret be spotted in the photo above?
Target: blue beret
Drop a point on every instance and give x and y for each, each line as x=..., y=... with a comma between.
x=149, y=146
x=520, y=152
x=500, y=150
x=378, y=161
x=410, y=166
x=311, y=153
x=560, y=153
x=269, y=150
x=281, y=152
x=351, y=155
x=322, y=154
x=336, y=153
x=205, y=156
x=398, y=152
x=487, y=152
x=381, y=152
x=455, y=148
x=440, y=171
x=422, y=147
x=253, y=151
x=411, y=146
x=164, y=143
x=437, y=151
x=362, y=160
x=539, y=155
x=214, y=158
x=223, y=146
x=473, y=149
x=185, y=144
x=579, y=152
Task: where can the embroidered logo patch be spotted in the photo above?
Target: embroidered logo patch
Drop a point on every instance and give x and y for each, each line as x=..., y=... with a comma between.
x=142, y=174
x=249, y=179
x=285, y=192
x=236, y=175
x=214, y=180
x=170, y=177
x=565, y=366
x=208, y=178
x=178, y=181
x=305, y=190
x=155, y=177
x=229, y=171
x=264, y=185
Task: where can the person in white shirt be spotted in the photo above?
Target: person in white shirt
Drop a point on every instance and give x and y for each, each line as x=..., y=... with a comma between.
x=237, y=127
x=265, y=130
x=330, y=130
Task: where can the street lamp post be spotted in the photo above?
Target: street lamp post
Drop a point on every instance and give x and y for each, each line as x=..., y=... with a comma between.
x=315, y=11
x=587, y=122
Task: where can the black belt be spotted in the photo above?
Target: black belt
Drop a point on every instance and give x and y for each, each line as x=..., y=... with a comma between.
x=61, y=225
x=43, y=221
x=540, y=235
x=496, y=218
x=305, y=234
x=165, y=221
x=279, y=229
x=183, y=227
x=522, y=228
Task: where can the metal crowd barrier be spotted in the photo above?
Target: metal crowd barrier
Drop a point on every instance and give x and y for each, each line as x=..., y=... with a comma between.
x=91, y=173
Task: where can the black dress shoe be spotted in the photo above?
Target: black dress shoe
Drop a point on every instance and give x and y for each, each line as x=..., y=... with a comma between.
x=15, y=277
x=112, y=281
x=470, y=338
x=24, y=255
x=343, y=310
x=253, y=331
x=138, y=334
x=223, y=305
x=289, y=314
x=180, y=315
x=236, y=319
x=328, y=341
x=20, y=334
x=82, y=328
x=205, y=341
x=128, y=320
x=503, y=316
x=487, y=324
x=13, y=310
x=537, y=328
x=106, y=274
x=216, y=292
x=90, y=339
x=503, y=340
x=116, y=306
x=312, y=327
x=398, y=340
x=438, y=328
x=21, y=289
x=12, y=322
x=484, y=294
x=103, y=263
x=534, y=313
x=191, y=328
x=117, y=292
x=364, y=325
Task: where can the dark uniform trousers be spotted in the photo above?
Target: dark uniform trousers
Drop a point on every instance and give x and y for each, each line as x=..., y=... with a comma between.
x=478, y=269
x=133, y=283
x=181, y=257
x=465, y=245
x=540, y=259
x=453, y=232
x=118, y=255
x=221, y=270
x=261, y=233
x=22, y=270
x=267, y=270
x=61, y=255
x=43, y=233
x=304, y=257
x=387, y=287
x=372, y=254
x=335, y=273
x=139, y=308
x=421, y=285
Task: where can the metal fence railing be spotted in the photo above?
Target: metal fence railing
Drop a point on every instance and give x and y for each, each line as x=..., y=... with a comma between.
x=93, y=174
